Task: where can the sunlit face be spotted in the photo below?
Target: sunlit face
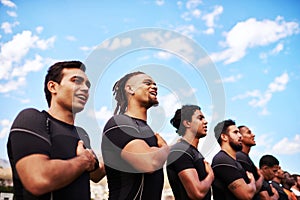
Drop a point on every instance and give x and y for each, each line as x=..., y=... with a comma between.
x=235, y=138
x=298, y=182
x=198, y=124
x=72, y=92
x=247, y=136
x=143, y=89
x=269, y=172
x=280, y=173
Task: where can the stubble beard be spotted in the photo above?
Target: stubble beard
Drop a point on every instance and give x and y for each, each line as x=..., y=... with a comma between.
x=234, y=146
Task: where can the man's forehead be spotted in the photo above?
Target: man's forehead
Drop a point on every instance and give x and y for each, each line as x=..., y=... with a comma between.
x=140, y=78
x=73, y=72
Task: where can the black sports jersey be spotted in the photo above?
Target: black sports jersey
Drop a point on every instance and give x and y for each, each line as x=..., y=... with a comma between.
x=184, y=156
x=125, y=182
x=35, y=132
x=249, y=166
x=226, y=170
x=281, y=192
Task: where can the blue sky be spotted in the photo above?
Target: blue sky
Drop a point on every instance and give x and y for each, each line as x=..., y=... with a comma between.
x=236, y=59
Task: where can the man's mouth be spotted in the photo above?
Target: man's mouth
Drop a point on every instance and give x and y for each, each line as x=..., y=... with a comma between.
x=82, y=97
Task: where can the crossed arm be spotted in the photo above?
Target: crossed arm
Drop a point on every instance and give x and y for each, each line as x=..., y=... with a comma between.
x=241, y=189
x=143, y=157
x=195, y=188
x=40, y=174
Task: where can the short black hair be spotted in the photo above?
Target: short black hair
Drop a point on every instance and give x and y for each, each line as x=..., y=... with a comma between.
x=184, y=113
x=222, y=127
x=55, y=74
x=268, y=160
x=295, y=176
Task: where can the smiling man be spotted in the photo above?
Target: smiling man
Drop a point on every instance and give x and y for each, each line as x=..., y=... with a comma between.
x=133, y=154
x=48, y=157
x=231, y=180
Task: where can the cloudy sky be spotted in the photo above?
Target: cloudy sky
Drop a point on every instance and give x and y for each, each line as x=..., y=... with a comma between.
x=236, y=59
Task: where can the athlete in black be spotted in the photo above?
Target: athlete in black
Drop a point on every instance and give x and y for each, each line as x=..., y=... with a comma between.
x=189, y=175
x=125, y=182
x=248, y=141
x=133, y=155
x=35, y=132
x=49, y=156
x=231, y=180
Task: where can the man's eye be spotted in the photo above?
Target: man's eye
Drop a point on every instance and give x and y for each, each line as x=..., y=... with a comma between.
x=147, y=83
x=77, y=81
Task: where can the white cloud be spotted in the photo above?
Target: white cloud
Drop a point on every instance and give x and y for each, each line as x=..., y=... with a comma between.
x=12, y=13
x=187, y=30
x=287, y=146
x=163, y=55
x=7, y=27
x=231, y=79
x=103, y=114
x=159, y=2
x=196, y=13
x=261, y=99
x=264, y=55
x=211, y=17
x=191, y=10
x=277, y=49
x=117, y=43
x=8, y=3
x=71, y=38
x=192, y=4
x=29, y=66
x=12, y=84
x=169, y=103
x=279, y=83
x=252, y=33
x=15, y=65
x=5, y=126
x=87, y=49
x=39, y=29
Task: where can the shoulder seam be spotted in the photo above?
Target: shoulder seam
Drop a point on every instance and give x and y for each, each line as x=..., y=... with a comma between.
x=30, y=132
x=118, y=126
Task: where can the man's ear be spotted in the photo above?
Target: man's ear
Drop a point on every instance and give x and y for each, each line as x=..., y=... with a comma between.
x=51, y=85
x=186, y=123
x=129, y=89
x=224, y=137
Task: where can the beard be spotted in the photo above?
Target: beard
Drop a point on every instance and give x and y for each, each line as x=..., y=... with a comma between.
x=151, y=103
x=234, y=146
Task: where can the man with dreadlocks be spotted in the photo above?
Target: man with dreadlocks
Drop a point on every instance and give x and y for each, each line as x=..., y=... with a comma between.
x=133, y=154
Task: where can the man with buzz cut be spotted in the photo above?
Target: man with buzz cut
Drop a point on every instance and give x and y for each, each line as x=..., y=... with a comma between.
x=231, y=180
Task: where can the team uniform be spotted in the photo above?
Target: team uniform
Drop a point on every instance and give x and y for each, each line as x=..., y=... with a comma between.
x=226, y=170
x=184, y=156
x=125, y=182
x=249, y=166
x=35, y=132
x=280, y=190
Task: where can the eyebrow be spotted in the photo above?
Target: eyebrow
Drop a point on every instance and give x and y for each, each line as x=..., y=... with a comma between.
x=149, y=80
x=88, y=83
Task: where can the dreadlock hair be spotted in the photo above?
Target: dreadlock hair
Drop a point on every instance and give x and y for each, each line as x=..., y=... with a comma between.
x=120, y=93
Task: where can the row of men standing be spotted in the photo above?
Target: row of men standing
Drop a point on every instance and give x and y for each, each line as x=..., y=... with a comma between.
x=51, y=158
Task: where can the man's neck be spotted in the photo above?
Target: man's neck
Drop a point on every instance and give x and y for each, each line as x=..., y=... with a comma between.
x=231, y=152
x=191, y=139
x=277, y=180
x=137, y=112
x=246, y=149
x=62, y=115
